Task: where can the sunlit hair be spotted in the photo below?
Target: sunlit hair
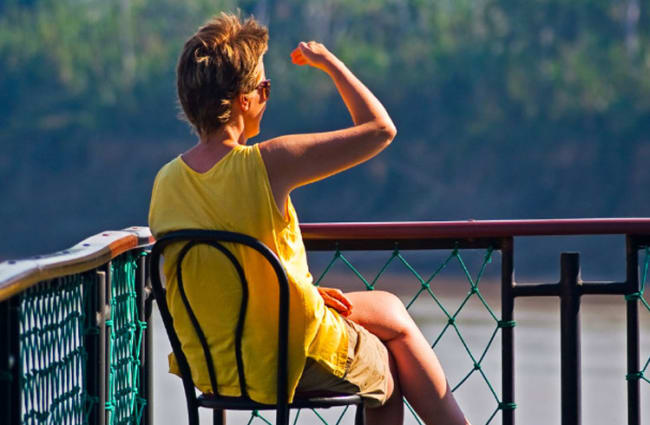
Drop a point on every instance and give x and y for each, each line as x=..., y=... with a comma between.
x=219, y=62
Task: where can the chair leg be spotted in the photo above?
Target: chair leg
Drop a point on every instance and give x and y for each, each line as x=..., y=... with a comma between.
x=282, y=415
x=192, y=413
x=218, y=417
x=360, y=415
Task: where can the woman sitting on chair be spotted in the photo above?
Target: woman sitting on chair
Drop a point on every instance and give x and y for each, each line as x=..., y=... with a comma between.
x=361, y=342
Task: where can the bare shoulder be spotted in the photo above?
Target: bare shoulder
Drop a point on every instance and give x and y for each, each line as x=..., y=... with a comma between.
x=201, y=158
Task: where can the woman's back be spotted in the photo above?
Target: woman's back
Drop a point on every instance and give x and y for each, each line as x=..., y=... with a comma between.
x=235, y=195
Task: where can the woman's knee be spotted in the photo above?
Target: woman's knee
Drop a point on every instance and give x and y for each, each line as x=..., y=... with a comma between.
x=395, y=311
x=392, y=304
x=382, y=313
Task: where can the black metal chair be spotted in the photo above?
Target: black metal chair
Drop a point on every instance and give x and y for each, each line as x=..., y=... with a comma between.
x=194, y=237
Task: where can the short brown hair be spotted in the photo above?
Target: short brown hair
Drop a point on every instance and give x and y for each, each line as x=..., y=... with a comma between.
x=218, y=63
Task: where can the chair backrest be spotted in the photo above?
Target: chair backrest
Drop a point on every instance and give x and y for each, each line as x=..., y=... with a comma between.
x=215, y=239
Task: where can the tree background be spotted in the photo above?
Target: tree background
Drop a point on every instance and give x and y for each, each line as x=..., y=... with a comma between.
x=504, y=109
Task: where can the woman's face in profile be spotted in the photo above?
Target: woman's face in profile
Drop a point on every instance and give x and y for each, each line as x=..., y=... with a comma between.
x=253, y=117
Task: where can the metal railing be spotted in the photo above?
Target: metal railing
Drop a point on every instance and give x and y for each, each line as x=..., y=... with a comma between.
x=73, y=326
x=74, y=344
x=500, y=236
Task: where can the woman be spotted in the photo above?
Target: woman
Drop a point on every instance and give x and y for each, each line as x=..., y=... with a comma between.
x=360, y=342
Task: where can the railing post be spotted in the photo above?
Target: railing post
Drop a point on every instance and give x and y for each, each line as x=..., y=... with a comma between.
x=148, y=304
x=99, y=357
x=10, y=391
x=507, y=333
x=570, y=338
x=632, y=317
x=145, y=348
x=105, y=360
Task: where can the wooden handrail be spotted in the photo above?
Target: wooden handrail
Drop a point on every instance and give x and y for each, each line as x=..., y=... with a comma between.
x=18, y=275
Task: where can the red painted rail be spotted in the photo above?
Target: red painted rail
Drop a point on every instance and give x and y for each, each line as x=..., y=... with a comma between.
x=475, y=229
x=20, y=274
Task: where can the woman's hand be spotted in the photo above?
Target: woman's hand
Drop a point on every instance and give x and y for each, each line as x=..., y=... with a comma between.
x=313, y=54
x=334, y=298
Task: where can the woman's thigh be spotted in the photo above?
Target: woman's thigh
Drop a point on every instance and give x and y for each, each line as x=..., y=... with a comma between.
x=382, y=313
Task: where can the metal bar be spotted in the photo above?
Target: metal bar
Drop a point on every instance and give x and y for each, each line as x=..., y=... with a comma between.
x=570, y=338
x=587, y=288
x=10, y=391
x=105, y=359
x=218, y=417
x=403, y=244
x=507, y=333
x=633, y=384
x=639, y=239
x=148, y=361
x=5, y=356
x=15, y=363
x=140, y=281
x=474, y=229
x=632, y=318
x=149, y=418
x=99, y=360
x=603, y=288
x=537, y=290
x=360, y=415
x=92, y=347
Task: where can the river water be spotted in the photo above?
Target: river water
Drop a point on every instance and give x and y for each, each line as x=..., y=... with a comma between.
x=537, y=362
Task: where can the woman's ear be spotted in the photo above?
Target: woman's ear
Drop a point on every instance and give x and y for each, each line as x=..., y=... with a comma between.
x=244, y=102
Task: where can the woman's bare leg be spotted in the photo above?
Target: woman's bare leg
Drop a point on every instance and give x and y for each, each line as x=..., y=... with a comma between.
x=392, y=412
x=420, y=376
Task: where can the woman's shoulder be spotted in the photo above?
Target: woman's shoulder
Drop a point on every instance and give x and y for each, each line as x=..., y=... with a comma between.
x=168, y=168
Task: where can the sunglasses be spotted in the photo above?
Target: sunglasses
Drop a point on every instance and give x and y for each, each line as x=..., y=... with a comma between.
x=265, y=86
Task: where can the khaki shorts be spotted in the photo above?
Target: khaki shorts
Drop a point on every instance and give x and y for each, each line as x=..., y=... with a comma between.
x=365, y=374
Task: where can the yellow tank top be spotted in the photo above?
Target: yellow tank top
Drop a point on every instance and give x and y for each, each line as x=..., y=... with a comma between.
x=235, y=195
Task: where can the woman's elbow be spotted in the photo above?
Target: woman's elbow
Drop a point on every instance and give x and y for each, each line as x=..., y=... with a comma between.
x=387, y=132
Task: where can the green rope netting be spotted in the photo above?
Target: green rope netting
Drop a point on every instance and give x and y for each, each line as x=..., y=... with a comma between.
x=53, y=325
x=56, y=322
x=425, y=290
x=642, y=374
x=125, y=330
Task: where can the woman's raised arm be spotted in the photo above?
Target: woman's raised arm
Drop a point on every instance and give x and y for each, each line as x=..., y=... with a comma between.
x=296, y=160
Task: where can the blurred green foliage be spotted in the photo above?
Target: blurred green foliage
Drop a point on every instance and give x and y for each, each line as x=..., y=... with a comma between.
x=505, y=109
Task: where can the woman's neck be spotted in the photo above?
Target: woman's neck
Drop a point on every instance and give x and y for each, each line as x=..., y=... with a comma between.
x=212, y=147
x=230, y=134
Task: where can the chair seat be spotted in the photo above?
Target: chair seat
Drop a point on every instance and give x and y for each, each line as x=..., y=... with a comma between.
x=311, y=400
